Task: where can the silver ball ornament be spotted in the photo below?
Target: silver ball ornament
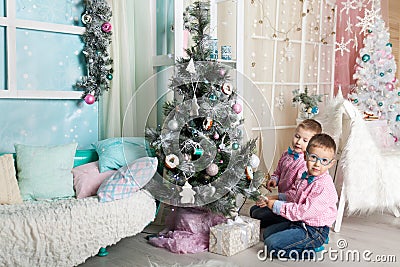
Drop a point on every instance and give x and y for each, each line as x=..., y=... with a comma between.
x=173, y=125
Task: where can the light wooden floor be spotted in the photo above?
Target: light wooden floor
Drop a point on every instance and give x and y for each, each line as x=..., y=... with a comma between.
x=378, y=233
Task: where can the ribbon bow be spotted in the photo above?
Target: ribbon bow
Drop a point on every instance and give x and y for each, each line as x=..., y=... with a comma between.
x=291, y=152
x=310, y=178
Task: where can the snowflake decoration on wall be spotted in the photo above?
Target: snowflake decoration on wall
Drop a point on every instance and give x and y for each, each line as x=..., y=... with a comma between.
x=289, y=52
x=367, y=22
x=349, y=27
x=342, y=46
x=280, y=101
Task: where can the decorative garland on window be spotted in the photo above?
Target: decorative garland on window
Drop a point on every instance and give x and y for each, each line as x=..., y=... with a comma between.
x=97, y=39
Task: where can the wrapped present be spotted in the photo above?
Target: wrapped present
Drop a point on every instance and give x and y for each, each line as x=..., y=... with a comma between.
x=234, y=236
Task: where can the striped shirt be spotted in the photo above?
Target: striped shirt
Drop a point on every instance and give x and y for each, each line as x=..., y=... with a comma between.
x=313, y=204
x=286, y=172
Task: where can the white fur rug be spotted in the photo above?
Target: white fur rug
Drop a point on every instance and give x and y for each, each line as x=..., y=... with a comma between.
x=209, y=263
x=370, y=174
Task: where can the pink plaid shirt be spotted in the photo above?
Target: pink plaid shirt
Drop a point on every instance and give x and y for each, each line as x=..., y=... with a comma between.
x=286, y=172
x=314, y=203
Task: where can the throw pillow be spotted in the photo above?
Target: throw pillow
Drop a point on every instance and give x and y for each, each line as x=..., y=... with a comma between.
x=117, y=152
x=128, y=179
x=87, y=179
x=44, y=172
x=9, y=191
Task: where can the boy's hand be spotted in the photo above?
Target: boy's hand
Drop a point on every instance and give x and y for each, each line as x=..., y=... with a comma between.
x=262, y=201
x=270, y=203
x=270, y=184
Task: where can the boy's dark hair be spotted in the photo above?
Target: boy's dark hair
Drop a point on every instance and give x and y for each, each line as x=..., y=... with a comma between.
x=322, y=140
x=311, y=125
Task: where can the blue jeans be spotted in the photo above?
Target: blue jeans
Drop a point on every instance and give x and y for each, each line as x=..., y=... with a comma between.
x=266, y=216
x=294, y=239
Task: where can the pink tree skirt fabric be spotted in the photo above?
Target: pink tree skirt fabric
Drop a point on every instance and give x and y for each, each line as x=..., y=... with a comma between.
x=187, y=230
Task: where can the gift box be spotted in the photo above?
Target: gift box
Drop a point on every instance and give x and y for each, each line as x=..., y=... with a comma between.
x=234, y=236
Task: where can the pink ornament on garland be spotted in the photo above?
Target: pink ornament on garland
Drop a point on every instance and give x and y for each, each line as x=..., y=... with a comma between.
x=90, y=99
x=106, y=27
x=237, y=108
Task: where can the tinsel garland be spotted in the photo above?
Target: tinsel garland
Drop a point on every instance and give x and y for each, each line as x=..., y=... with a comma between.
x=97, y=39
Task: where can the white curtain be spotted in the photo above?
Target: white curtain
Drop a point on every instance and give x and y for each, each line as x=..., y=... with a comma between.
x=121, y=114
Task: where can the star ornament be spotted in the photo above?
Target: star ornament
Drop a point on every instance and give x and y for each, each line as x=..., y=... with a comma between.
x=342, y=46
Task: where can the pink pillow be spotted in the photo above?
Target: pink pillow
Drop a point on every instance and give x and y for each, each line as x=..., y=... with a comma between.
x=87, y=179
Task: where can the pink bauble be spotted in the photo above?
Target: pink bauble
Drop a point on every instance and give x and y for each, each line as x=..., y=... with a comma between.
x=390, y=56
x=106, y=27
x=389, y=86
x=237, y=108
x=394, y=80
x=89, y=99
x=216, y=136
x=212, y=169
x=222, y=72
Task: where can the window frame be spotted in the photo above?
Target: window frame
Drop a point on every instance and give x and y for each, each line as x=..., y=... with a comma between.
x=11, y=24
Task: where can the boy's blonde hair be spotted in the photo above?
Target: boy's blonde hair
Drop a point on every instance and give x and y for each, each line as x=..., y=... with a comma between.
x=311, y=125
x=322, y=140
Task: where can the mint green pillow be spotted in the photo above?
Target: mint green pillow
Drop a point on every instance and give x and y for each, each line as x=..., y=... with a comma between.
x=115, y=153
x=44, y=172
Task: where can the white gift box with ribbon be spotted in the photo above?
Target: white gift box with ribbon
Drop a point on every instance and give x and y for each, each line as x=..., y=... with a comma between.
x=234, y=236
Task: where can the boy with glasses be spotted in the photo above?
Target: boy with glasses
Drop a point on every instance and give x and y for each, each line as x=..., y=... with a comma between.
x=290, y=163
x=309, y=208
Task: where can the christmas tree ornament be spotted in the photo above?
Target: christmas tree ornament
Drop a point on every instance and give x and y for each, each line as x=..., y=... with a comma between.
x=389, y=44
x=187, y=194
x=194, y=111
x=389, y=86
x=109, y=77
x=216, y=136
x=254, y=161
x=198, y=151
x=171, y=161
x=398, y=117
x=366, y=57
x=190, y=67
x=249, y=172
x=86, y=18
x=213, y=97
x=227, y=88
x=237, y=108
x=382, y=74
x=90, y=99
x=235, y=146
x=173, y=125
x=212, y=169
x=106, y=27
x=207, y=123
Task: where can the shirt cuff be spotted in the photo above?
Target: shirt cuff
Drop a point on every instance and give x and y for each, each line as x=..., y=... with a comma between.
x=282, y=196
x=276, y=208
x=275, y=178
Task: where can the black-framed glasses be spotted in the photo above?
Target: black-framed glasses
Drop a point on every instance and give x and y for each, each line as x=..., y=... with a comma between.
x=315, y=158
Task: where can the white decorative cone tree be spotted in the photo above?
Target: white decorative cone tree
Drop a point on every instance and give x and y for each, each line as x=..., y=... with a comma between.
x=376, y=93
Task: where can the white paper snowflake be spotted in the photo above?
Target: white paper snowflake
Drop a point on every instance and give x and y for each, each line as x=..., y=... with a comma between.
x=347, y=5
x=342, y=46
x=355, y=45
x=367, y=22
x=349, y=27
x=289, y=52
x=280, y=101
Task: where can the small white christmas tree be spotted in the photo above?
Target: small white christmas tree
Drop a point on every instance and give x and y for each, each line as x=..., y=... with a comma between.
x=376, y=93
